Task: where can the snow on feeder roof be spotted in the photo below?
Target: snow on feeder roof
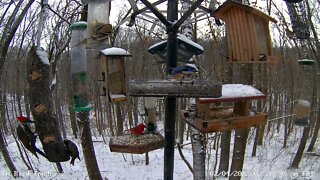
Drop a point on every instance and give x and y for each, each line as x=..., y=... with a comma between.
x=79, y=25
x=114, y=51
x=186, y=48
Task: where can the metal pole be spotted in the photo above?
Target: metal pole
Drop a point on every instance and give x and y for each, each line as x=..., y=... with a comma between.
x=170, y=110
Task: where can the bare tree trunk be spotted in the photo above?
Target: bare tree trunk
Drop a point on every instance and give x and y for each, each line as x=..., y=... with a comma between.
x=302, y=145
x=225, y=152
x=4, y=149
x=6, y=38
x=198, y=151
x=40, y=97
x=315, y=134
x=119, y=119
x=87, y=147
x=238, y=154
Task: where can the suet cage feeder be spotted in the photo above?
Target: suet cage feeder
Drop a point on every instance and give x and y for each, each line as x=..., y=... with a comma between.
x=186, y=49
x=206, y=117
x=302, y=113
x=79, y=67
x=113, y=73
x=248, y=35
x=136, y=144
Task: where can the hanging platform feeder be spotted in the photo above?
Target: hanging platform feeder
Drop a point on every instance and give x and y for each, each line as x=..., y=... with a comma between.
x=186, y=49
x=136, y=144
x=248, y=33
x=209, y=119
x=113, y=73
x=164, y=88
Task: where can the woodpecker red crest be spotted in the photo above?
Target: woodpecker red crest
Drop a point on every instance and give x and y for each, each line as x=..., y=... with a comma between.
x=24, y=119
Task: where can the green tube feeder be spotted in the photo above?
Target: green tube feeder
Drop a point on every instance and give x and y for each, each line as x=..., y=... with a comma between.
x=79, y=67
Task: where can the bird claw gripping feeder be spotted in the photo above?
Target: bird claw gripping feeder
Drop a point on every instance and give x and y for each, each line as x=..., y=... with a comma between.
x=79, y=67
x=113, y=73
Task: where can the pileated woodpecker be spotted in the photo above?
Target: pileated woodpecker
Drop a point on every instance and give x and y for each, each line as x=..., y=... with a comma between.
x=24, y=119
x=28, y=139
x=72, y=150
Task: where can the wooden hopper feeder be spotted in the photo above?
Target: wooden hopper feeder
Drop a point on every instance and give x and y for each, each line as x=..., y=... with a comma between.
x=209, y=119
x=113, y=73
x=248, y=33
x=136, y=144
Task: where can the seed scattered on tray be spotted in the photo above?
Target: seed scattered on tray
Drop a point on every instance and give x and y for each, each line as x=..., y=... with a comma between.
x=136, y=140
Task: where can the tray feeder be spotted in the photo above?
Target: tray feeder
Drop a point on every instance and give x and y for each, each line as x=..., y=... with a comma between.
x=136, y=144
x=247, y=32
x=186, y=49
x=173, y=88
x=113, y=73
x=208, y=118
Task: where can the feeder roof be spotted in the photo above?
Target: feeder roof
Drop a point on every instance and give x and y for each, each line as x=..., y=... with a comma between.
x=306, y=62
x=228, y=5
x=79, y=25
x=182, y=39
x=114, y=51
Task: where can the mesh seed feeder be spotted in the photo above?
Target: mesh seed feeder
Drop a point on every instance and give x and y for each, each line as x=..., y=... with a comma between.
x=113, y=73
x=79, y=67
x=302, y=113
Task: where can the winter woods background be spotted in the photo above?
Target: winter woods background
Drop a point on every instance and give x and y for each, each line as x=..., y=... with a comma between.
x=273, y=147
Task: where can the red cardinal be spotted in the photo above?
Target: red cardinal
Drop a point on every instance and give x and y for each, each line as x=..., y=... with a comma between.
x=138, y=130
x=23, y=119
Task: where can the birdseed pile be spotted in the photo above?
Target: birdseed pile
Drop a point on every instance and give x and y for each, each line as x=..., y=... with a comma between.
x=136, y=140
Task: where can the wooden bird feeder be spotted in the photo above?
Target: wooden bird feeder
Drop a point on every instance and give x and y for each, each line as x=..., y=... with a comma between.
x=207, y=118
x=248, y=33
x=136, y=144
x=113, y=73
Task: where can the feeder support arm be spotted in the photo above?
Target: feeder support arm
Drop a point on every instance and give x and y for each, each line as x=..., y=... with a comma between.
x=160, y=16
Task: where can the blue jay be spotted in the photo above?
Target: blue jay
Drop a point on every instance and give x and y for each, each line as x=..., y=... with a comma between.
x=184, y=72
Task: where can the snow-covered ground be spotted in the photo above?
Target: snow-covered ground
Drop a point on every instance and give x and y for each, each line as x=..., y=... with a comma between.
x=272, y=162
